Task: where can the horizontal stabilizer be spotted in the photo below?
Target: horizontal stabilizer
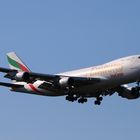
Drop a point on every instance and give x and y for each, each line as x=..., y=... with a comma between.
x=5, y=70
x=10, y=85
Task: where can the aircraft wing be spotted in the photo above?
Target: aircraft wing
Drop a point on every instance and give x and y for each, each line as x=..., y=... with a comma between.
x=56, y=81
x=11, y=85
x=5, y=70
x=10, y=73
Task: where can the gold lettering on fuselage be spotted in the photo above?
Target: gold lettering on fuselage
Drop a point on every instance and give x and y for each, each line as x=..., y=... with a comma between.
x=105, y=70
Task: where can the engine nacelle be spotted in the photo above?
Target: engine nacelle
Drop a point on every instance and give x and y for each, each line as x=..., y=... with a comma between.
x=22, y=76
x=66, y=82
x=129, y=93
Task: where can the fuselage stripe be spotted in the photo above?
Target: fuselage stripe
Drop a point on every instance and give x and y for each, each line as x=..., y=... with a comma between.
x=34, y=89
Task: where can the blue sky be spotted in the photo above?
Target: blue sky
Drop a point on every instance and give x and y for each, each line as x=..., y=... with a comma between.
x=55, y=36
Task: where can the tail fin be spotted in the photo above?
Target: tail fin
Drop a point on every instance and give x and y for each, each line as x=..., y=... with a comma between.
x=16, y=63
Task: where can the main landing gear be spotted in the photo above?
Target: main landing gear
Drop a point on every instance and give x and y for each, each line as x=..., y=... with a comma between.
x=73, y=98
x=98, y=100
x=82, y=100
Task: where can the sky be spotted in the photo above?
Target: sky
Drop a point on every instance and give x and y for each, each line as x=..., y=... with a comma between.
x=54, y=36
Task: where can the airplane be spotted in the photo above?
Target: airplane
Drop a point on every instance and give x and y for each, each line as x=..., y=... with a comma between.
x=78, y=85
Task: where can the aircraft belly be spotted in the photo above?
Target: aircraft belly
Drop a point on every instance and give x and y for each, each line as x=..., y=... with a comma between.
x=96, y=89
x=92, y=90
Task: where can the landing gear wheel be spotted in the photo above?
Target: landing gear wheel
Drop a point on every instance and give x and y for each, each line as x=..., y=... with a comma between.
x=79, y=101
x=97, y=102
x=100, y=98
x=82, y=100
x=85, y=100
x=75, y=98
x=71, y=98
x=67, y=98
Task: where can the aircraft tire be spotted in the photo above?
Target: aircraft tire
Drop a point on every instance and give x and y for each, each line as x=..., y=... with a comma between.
x=97, y=102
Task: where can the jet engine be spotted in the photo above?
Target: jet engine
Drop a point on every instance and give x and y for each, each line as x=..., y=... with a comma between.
x=22, y=76
x=66, y=82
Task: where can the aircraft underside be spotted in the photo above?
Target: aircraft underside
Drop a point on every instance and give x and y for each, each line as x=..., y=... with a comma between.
x=97, y=91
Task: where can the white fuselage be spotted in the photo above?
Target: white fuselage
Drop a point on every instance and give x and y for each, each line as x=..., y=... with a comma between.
x=115, y=73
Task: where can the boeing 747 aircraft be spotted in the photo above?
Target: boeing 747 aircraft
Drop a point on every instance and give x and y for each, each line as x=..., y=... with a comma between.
x=94, y=82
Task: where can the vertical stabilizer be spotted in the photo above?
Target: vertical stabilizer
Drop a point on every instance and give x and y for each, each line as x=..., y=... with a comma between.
x=16, y=63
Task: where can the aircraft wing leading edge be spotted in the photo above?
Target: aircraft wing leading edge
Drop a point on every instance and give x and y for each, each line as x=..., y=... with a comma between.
x=31, y=77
